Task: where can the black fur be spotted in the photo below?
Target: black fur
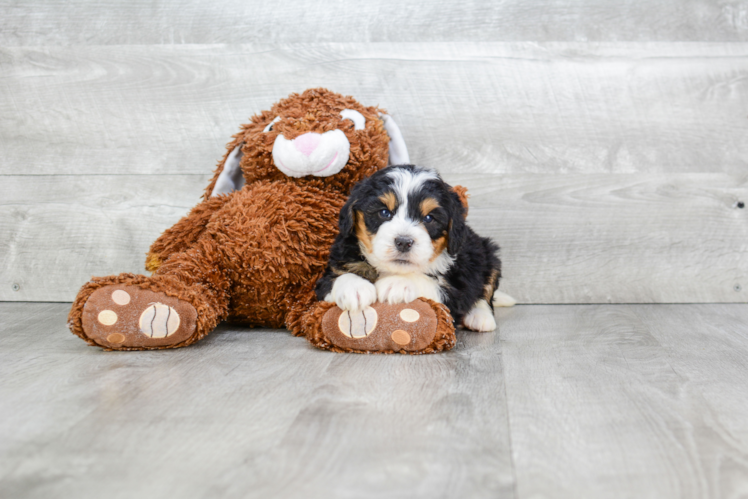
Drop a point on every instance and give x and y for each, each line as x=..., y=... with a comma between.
x=476, y=270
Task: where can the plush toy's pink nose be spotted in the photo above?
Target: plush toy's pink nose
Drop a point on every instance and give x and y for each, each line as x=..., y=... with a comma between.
x=307, y=143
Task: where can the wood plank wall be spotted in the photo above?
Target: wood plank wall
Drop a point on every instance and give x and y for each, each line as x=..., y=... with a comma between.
x=605, y=144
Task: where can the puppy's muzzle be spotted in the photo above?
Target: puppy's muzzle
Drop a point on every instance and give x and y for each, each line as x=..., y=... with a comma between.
x=404, y=244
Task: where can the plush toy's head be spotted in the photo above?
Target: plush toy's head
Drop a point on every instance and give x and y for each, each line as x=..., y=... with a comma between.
x=317, y=136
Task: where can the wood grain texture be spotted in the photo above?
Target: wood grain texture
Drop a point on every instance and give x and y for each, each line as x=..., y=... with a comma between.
x=564, y=238
x=49, y=22
x=58, y=231
x=563, y=401
x=463, y=107
x=245, y=413
x=615, y=238
x=603, y=404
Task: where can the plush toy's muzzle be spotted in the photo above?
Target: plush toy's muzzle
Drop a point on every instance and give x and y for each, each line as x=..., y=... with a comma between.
x=320, y=155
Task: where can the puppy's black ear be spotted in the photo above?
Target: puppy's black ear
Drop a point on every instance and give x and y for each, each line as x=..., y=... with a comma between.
x=345, y=222
x=457, y=232
x=358, y=193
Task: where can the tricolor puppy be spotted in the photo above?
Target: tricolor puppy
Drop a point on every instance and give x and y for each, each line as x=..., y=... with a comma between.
x=403, y=236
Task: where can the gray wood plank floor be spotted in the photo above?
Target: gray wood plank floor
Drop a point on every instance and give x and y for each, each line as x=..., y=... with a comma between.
x=605, y=400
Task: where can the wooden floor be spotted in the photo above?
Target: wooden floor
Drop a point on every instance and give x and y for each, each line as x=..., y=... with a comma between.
x=562, y=401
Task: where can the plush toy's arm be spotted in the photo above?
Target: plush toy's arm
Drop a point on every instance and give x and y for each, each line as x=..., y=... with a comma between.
x=184, y=233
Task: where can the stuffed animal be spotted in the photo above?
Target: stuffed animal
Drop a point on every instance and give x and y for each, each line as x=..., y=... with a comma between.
x=419, y=327
x=253, y=249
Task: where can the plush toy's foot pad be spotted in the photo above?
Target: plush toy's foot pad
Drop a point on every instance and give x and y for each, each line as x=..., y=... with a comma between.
x=126, y=316
x=409, y=327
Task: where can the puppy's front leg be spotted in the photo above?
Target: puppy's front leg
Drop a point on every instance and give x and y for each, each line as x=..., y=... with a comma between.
x=480, y=318
x=352, y=293
x=405, y=288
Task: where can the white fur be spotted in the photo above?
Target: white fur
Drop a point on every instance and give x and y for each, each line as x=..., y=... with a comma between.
x=270, y=125
x=398, y=150
x=480, y=318
x=359, y=122
x=406, y=182
x=500, y=299
x=404, y=288
x=352, y=293
x=328, y=158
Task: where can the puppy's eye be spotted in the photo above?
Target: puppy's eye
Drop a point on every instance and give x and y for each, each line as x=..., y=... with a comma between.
x=385, y=214
x=359, y=122
x=428, y=218
x=269, y=126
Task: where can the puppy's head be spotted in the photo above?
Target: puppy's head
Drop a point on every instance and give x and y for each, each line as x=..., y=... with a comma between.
x=406, y=219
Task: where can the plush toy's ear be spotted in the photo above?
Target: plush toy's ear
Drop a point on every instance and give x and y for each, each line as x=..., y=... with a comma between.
x=231, y=177
x=398, y=149
x=457, y=231
x=463, y=195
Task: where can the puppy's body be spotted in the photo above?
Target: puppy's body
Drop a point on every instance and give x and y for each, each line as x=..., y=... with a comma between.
x=403, y=236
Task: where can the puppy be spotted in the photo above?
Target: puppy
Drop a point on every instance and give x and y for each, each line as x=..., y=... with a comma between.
x=403, y=236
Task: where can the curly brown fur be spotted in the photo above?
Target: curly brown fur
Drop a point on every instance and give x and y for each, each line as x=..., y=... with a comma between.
x=184, y=233
x=253, y=255
x=368, y=152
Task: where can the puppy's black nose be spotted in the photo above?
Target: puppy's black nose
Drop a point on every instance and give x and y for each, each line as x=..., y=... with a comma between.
x=404, y=243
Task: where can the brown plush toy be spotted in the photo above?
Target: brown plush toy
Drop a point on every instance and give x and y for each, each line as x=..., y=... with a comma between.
x=253, y=249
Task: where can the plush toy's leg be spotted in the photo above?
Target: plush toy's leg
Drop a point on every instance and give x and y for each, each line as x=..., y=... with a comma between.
x=419, y=327
x=184, y=233
x=180, y=304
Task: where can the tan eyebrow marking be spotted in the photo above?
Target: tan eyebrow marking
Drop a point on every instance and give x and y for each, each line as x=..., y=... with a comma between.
x=428, y=205
x=389, y=200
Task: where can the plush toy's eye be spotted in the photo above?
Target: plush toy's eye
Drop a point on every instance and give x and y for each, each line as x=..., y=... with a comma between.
x=428, y=218
x=269, y=126
x=359, y=122
x=385, y=214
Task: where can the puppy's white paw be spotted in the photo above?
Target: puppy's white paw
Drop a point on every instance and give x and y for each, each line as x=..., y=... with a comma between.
x=500, y=299
x=480, y=318
x=397, y=290
x=353, y=293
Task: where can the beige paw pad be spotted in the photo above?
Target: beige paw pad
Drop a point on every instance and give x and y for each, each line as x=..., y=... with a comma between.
x=401, y=337
x=107, y=317
x=358, y=324
x=409, y=315
x=115, y=338
x=121, y=297
x=159, y=321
